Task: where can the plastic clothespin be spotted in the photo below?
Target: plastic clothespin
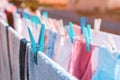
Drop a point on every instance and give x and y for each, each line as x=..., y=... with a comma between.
x=42, y=37
x=35, y=19
x=25, y=15
x=38, y=12
x=70, y=31
x=45, y=14
x=111, y=42
x=83, y=23
x=71, y=28
x=89, y=32
x=52, y=26
x=97, y=24
x=37, y=46
x=86, y=38
x=61, y=27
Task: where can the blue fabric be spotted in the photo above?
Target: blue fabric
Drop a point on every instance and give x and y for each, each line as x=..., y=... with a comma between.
x=117, y=70
x=106, y=66
x=50, y=44
x=46, y=69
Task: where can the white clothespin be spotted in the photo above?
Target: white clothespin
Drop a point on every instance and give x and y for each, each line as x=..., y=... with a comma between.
x=97, y=24
x=38, y=14
x=52, y=26
x=45, y=21
x=111, y=42
x=18, y=22
x=110, y=45
x=61, y=27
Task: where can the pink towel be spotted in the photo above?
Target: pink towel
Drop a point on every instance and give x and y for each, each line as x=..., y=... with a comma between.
x=80, y=65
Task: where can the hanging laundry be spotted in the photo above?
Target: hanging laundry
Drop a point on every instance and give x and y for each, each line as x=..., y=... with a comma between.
x=63, y=56
x=54, y=51
x=80, y=64
x=26, y=74
x=117, y=70
x=22, y=58
x=50, y=44
x=14, y=47
x=4, y=53
x=106, y=65
x=46, y=69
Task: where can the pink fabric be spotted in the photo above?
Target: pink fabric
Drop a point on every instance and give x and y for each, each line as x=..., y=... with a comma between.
x=80, y=65
x=77, y=30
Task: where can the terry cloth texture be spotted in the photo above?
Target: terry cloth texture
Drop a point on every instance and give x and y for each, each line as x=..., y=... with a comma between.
x=63, y=56
x=80, y=64
x=46, y=69
x=108, y=65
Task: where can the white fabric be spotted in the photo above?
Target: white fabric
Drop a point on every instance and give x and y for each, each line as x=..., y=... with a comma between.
x=63, y=56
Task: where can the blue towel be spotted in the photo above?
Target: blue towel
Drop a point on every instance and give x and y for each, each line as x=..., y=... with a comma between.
x=50, y=44
x=106, y=65
x=46, y=69
x=117, y=70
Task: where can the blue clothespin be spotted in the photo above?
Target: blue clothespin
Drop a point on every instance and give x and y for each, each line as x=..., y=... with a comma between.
x=25, y=15
x=83, y=23
x=86, y=38
x=35, y=19
x=37, y=46
x=71, y=28
x=42, y=37
x=70, y=31
x=45, y=14
x=89, y=32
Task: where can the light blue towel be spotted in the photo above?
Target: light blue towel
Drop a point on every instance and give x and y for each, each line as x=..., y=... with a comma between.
x=117, y=70
x=46, y=69
x=106, y=65
x=50, y=44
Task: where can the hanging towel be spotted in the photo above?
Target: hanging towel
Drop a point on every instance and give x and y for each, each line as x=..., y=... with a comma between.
x=23, y=44
x=26, y=74
x=50, y=44
x=80, y=64
x=117, y=70
x=14, y=46
x=63, y=56
x=46, y=69
x=4, y=53
x=106, y=65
